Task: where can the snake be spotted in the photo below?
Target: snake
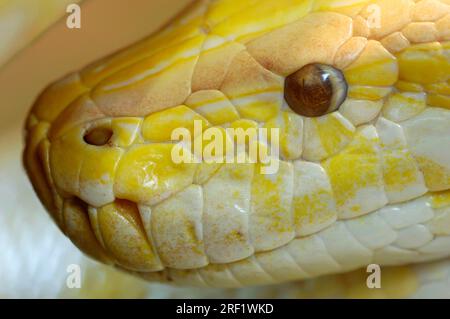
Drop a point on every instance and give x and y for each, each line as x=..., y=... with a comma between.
x=358, y=91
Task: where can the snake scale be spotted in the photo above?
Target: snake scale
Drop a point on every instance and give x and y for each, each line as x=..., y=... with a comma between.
x=359, y=91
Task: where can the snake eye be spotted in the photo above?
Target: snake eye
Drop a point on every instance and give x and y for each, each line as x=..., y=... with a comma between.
x=315, y=90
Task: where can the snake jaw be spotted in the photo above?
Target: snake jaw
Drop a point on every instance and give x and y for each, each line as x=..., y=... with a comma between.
x=98, y=147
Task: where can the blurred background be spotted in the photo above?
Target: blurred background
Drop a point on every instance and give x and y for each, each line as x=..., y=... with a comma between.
x=36, y=48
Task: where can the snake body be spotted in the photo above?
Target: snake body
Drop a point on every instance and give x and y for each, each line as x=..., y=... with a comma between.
x=366, y=183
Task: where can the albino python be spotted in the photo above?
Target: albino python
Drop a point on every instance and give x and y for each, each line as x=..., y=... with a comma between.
x=359, y=91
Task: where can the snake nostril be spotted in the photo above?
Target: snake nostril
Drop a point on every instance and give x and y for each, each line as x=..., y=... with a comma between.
x=98, y=136
x=315, y=90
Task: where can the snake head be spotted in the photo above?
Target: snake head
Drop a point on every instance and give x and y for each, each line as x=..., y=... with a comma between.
x=358, y=92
